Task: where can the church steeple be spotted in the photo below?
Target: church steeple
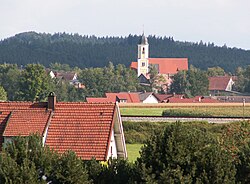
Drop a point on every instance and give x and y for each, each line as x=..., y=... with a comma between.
x=143, y=47
x=143, y=55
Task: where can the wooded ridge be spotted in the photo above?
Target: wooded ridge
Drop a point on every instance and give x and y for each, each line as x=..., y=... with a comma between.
x=92, y=51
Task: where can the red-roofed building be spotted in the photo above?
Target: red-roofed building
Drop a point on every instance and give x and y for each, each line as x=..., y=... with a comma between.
x=88, y=129
x=126, y=97
x=166, y=67
x=221, y=85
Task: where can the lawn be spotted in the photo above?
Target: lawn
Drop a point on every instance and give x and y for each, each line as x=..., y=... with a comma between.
x=230, y=111
x=142, y=111
x=133, y=151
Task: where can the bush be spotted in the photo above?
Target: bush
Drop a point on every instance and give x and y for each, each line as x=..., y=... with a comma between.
x=184, y=113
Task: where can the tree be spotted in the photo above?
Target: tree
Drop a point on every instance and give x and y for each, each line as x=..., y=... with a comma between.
x=3, y=94
x=215, y=71
x=156, y=79
x=69, y=169
x=35, y=84
x=25, y=160
x=191, y=83
x=183, y=154
x=117, y=171
x=243, y=166
x=198, y=81
x=180, y=83
x=9, y=80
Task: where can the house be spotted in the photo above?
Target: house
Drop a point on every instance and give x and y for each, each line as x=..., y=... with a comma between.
x=88, y=129
x=221, y=85
x=173, y=98
x=167, y=67
x=122, y=97
x=147, y=97
x=70, y=77
x=126, y=97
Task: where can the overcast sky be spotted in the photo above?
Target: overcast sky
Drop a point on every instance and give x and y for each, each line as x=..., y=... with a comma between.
x=219, y=21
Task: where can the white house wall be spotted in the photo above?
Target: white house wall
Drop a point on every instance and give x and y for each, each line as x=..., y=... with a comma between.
x=112, y=147
x=150, y=99
x=230, y=85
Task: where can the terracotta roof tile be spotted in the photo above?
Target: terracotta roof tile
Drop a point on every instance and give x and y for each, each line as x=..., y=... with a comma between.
x=130, y=97
x=170, y=65
x=98, y=100
x=166, y=65
x=82, y=127
x=219, y=82
x=25, y=122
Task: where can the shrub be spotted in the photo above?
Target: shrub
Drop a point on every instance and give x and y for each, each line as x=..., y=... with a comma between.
x=185, y=113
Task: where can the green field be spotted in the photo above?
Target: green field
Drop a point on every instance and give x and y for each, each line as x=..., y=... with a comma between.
x=230, y=111
x=133, y=151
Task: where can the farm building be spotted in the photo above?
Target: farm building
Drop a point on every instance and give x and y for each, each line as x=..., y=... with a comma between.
x=221, y=85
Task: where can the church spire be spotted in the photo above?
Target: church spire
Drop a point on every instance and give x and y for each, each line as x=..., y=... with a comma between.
x=143, y=55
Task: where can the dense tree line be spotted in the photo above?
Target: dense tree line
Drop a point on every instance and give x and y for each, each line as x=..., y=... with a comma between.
x=32, y=83
x=92, y=51
x=178, y=154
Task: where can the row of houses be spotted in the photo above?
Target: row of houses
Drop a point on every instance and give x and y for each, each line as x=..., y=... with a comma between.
x=148, y=97
x=88, y=129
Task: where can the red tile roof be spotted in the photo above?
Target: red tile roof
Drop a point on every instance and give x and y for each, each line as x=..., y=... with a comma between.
x=133, y=65
x=170, y=65
x=167, y=65
x=26, y=122
x=130, y=97
x=162, y=97
x=10, y=110
x=82, y=127
x=98, y=100
x=218, y=82
x=197, y=99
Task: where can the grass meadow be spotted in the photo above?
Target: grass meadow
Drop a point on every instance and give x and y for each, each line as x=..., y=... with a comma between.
x=229, y=111
x=133, y=151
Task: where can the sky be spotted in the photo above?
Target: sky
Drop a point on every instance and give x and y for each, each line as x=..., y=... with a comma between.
x=218, y=21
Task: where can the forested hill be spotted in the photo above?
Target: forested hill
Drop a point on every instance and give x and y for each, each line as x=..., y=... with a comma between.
x=91, y=51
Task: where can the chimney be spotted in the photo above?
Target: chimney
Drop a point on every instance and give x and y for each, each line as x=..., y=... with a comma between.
x=51, y=101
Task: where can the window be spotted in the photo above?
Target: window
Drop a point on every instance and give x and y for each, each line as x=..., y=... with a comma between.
x=143, y=64
x=143, y=50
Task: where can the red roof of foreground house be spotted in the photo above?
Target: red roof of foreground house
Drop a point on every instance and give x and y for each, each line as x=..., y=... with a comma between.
x=167, y=65
x=18, y=114
x=81, y=127
x=26, y=122
x=84, y=128
x=219, y=82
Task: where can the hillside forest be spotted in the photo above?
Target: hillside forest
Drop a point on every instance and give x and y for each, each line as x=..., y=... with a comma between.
x=91, y=51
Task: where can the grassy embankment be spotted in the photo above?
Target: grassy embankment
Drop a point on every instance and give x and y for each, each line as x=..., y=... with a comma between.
x=137, y=133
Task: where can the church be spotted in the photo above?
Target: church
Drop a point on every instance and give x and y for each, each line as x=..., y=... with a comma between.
x=167, y=67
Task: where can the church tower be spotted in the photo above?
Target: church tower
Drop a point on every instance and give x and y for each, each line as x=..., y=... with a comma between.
x=143, y=54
